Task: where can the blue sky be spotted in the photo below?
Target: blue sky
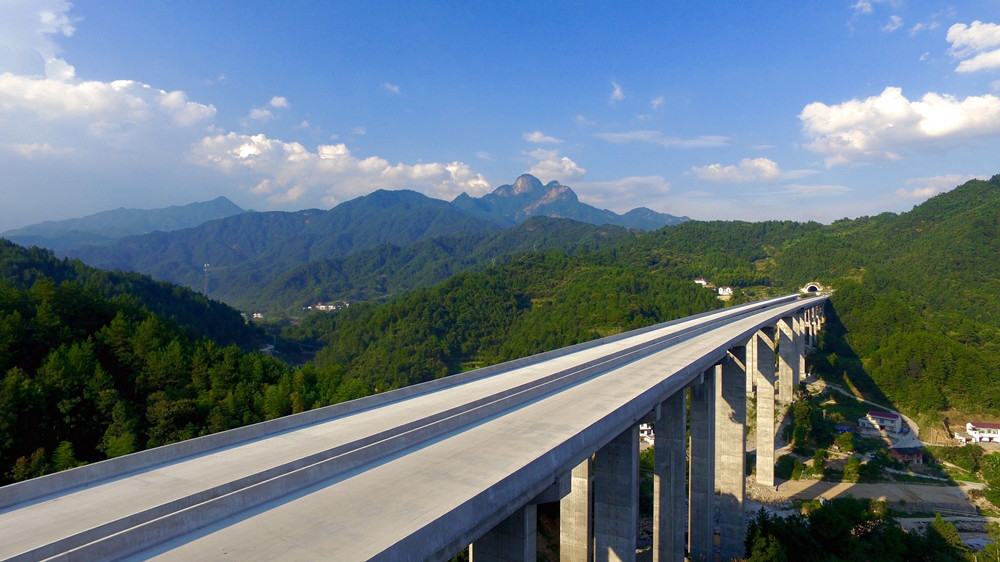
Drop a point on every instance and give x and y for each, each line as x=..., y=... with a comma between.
x=715, y=110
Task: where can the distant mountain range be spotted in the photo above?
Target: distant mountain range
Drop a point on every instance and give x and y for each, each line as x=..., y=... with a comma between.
x=527, y=197
x=240, y=256
x=108, y=226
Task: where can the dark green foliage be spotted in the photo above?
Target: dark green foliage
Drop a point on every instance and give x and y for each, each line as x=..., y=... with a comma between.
x=21, y=268
x=842, y=529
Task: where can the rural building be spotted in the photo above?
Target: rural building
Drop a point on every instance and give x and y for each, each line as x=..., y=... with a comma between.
x=908, y=454
x=725, y=291
x=887, y=421
x=980, y=432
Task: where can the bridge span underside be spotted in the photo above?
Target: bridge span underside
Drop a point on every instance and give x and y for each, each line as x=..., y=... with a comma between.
x=422, y=472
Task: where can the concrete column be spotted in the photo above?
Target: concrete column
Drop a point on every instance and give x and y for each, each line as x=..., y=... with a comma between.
x=800, y=346
x=616, y=497
x=751, y=358
x=701, y=504
x=513, y=539
x=730, y=456
x=764, y=368
x=576, y=536
x=670, y=518
x=787, y=360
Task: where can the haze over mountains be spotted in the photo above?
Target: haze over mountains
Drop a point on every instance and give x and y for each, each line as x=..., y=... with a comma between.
x=108, y=226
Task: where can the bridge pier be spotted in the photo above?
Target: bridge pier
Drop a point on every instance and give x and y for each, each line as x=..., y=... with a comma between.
x=513, y=540
x=701, y=495
x=730, y=444
x=788, y=360
x=575, y=520
x=616, y=497
x=763, y=367
x=670, y=517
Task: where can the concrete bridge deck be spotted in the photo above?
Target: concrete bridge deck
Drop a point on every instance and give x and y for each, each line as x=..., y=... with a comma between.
x=419, y=474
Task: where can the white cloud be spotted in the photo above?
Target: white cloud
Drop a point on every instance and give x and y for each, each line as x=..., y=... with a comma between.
x=924, y=188
x=749, y=169
x=552, y=166
x=582, y=121
x=656, y=103
x=973, y=38
x=862, y=7
x=616, y=93
x=539, y=137
x=261, y=114
x=26, y=45
x=287, y=171
x=895, y=22
x=982, y=61
x=35, y=149
x=393, y=88
x=359, y=131
x=98, y=103
x=923, y=27
x=624, y=194
x=658, y=138
x=975, y=43
x=803, y=191
x=882, y=127
x=279, y=102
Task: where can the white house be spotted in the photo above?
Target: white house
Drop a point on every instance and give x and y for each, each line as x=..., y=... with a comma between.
x=726, y=291
x=983, y=432
x=701, y=281
x=876, y=420
x=646, y=432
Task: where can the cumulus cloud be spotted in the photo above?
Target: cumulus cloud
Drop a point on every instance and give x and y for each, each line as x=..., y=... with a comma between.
x=658, y=138
x=261, y=114
x=287, y=171
x=749, y=169
x=616, y=93
x=540, y=137
x=882, y=127
x=279, y=102
x=924, y=188
x=977, y=44
x=552, y=166
x=393, y=88
x=98, y=103
x=657, y=102
x=582, y=121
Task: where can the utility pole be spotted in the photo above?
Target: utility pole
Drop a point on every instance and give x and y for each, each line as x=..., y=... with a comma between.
x=205, y=291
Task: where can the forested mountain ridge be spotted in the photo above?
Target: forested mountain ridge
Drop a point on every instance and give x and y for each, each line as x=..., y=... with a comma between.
x=21, y=268
x=252, y=248
x=387, y=270
x=527, y=197
x=105, y=227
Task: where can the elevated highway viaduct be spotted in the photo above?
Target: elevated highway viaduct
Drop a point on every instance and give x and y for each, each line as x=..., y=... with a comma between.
x=419, y=473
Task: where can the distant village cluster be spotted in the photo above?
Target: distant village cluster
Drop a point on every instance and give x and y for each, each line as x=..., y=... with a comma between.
x=329, y=306
x=725, y=291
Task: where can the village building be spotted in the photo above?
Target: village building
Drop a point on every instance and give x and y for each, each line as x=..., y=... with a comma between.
x=979, y=432
x=884, y=421
x=912, y=455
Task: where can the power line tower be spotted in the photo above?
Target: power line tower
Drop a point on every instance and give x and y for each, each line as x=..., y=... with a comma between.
x=205, y=290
